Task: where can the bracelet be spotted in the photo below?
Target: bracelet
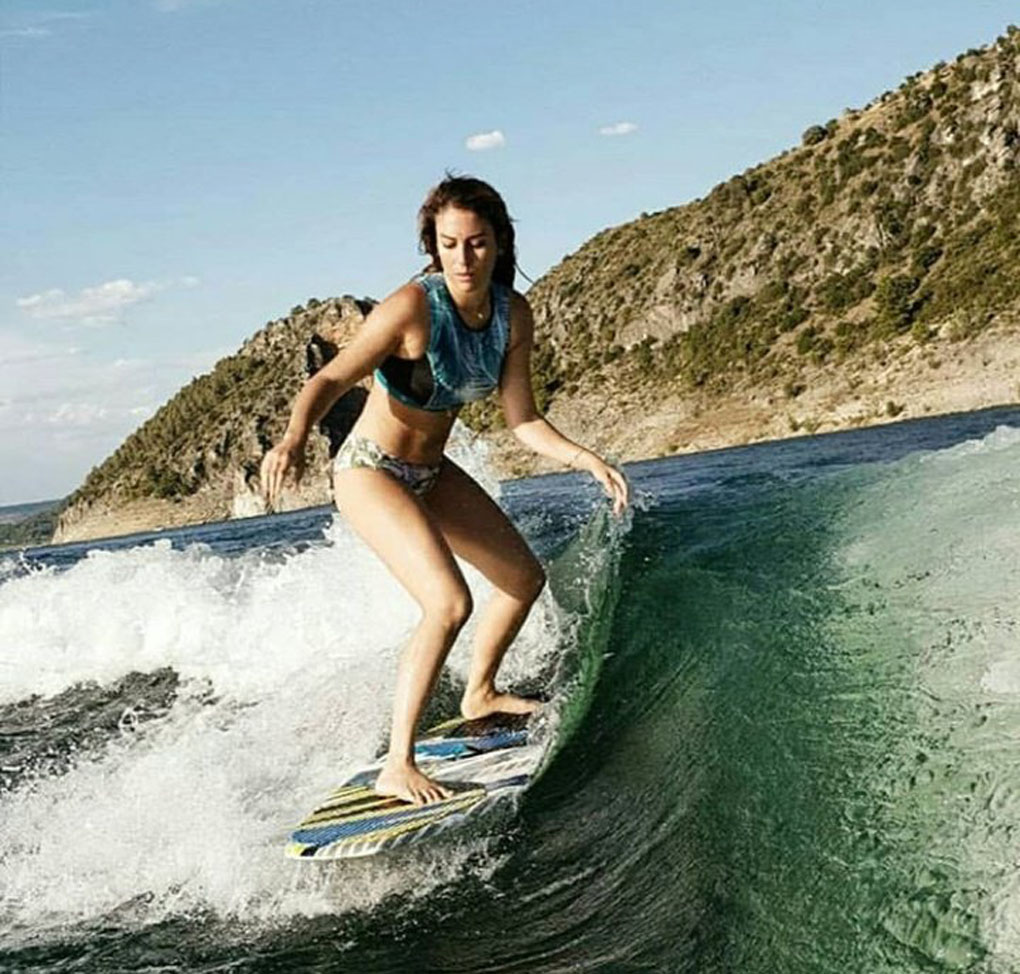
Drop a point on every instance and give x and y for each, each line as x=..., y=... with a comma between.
x=570, y=462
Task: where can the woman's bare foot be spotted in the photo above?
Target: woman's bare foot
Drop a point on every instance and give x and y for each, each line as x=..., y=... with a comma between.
x=407, y=782
x=481, y=703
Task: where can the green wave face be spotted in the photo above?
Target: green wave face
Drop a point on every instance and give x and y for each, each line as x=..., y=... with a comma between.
x=802, y=752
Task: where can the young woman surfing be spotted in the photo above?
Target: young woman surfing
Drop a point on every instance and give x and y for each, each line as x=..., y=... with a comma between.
x=452, y=335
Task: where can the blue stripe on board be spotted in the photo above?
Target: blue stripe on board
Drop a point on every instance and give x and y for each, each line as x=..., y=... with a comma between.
x=452, y=746
x=325, y=834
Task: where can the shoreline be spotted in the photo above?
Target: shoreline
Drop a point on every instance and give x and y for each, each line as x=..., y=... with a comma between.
x=133, y=529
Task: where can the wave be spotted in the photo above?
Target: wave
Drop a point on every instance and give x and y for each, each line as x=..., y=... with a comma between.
x=786, y=702
x=171, y=736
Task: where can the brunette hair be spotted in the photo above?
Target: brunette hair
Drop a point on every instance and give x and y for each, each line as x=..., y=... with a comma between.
x=480, y=198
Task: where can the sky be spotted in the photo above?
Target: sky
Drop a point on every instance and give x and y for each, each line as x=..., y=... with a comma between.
x=176, y=173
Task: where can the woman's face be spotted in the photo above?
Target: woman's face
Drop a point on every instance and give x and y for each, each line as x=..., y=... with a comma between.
x=467, y=248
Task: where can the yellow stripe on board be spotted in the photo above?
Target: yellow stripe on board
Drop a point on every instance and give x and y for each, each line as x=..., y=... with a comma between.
x=404, y=806
x=445, y=725
x=344, y=812
x=353, y=801
x=347, y=789
x=375, y=838
x=400, y=827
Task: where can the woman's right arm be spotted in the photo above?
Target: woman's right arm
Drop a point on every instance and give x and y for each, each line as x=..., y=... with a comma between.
x=380, y=335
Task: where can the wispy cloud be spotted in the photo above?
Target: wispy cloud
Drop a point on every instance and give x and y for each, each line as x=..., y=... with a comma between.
x=46, y=16
x=78, y=414
x=33, y=23
x=102, y=304
x=618, y=128
x=48, y=386
x=485, y=140
x=25, y=32
x=172, y=6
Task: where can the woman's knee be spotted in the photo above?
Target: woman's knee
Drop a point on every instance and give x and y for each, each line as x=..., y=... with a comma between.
x=539, y=579
x=532, y=583
x=451, y=609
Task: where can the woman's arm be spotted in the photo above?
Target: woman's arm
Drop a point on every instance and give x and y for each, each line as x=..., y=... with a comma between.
x=380, y=335
x=535, y=431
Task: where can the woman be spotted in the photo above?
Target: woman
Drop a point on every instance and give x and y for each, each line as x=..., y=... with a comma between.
x=450, y=336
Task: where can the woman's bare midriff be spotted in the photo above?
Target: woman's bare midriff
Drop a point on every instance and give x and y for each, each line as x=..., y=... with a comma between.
x=415, y=435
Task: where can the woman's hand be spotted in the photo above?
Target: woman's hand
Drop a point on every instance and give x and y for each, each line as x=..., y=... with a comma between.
x=284, y=458
x=612, y=480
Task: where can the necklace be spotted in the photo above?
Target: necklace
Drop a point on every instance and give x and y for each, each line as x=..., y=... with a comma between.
x=481, y=314
x=476, y=317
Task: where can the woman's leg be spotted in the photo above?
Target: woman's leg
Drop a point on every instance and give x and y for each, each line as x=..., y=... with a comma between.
x=479, y=532
x=406, y=537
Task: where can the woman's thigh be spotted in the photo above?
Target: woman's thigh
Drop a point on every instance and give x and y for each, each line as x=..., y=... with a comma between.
x=476, y=528
x=403, y=533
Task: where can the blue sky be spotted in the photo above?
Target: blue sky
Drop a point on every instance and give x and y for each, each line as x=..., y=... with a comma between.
x=177, y=172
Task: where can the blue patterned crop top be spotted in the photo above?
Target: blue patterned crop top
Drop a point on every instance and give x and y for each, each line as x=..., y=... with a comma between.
x=461, y=364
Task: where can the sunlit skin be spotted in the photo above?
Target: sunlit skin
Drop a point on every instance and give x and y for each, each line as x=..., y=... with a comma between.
x=417, y=538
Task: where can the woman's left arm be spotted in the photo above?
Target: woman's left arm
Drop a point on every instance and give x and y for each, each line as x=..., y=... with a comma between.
x=533, y=430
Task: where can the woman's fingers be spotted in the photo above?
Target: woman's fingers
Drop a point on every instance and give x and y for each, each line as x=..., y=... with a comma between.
x=274, y=468
x=620, y=483
x=265, y=477
x=276, y=465
x=276, y=479
x=615, y=486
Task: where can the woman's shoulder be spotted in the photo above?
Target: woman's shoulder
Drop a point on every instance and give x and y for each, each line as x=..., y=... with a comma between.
x=410, y=295
x=522, y=322
x=406, y=306
x=519, y=305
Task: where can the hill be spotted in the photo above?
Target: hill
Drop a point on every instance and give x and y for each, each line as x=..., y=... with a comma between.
x=22, y=525
x=869, y=273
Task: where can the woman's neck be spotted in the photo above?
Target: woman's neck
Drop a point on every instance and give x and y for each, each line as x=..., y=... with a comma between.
x=475, y=308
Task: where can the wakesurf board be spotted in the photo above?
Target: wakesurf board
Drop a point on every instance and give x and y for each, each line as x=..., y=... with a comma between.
x=481, y=761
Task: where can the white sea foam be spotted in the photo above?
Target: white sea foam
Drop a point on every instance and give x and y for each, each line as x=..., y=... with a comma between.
x=286, y=671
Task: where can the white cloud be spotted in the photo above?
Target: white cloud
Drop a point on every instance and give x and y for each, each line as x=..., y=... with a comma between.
x=485, y=140
x=32, y=21
x=172, y=6
x=101, y=304
x=78, y=414
x=98, y=305
x=45, y=16
x=25, y=32
x=618, y=128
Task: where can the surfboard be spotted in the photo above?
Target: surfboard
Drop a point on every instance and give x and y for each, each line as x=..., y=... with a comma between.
x=481, y=761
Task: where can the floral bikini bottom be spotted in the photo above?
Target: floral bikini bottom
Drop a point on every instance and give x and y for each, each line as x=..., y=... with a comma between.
x=360, y=451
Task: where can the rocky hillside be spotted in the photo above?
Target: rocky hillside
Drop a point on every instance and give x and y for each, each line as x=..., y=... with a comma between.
x=869, y=273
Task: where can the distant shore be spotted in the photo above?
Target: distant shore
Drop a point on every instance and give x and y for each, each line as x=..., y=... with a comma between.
x=911, y=382
x=25, y=525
